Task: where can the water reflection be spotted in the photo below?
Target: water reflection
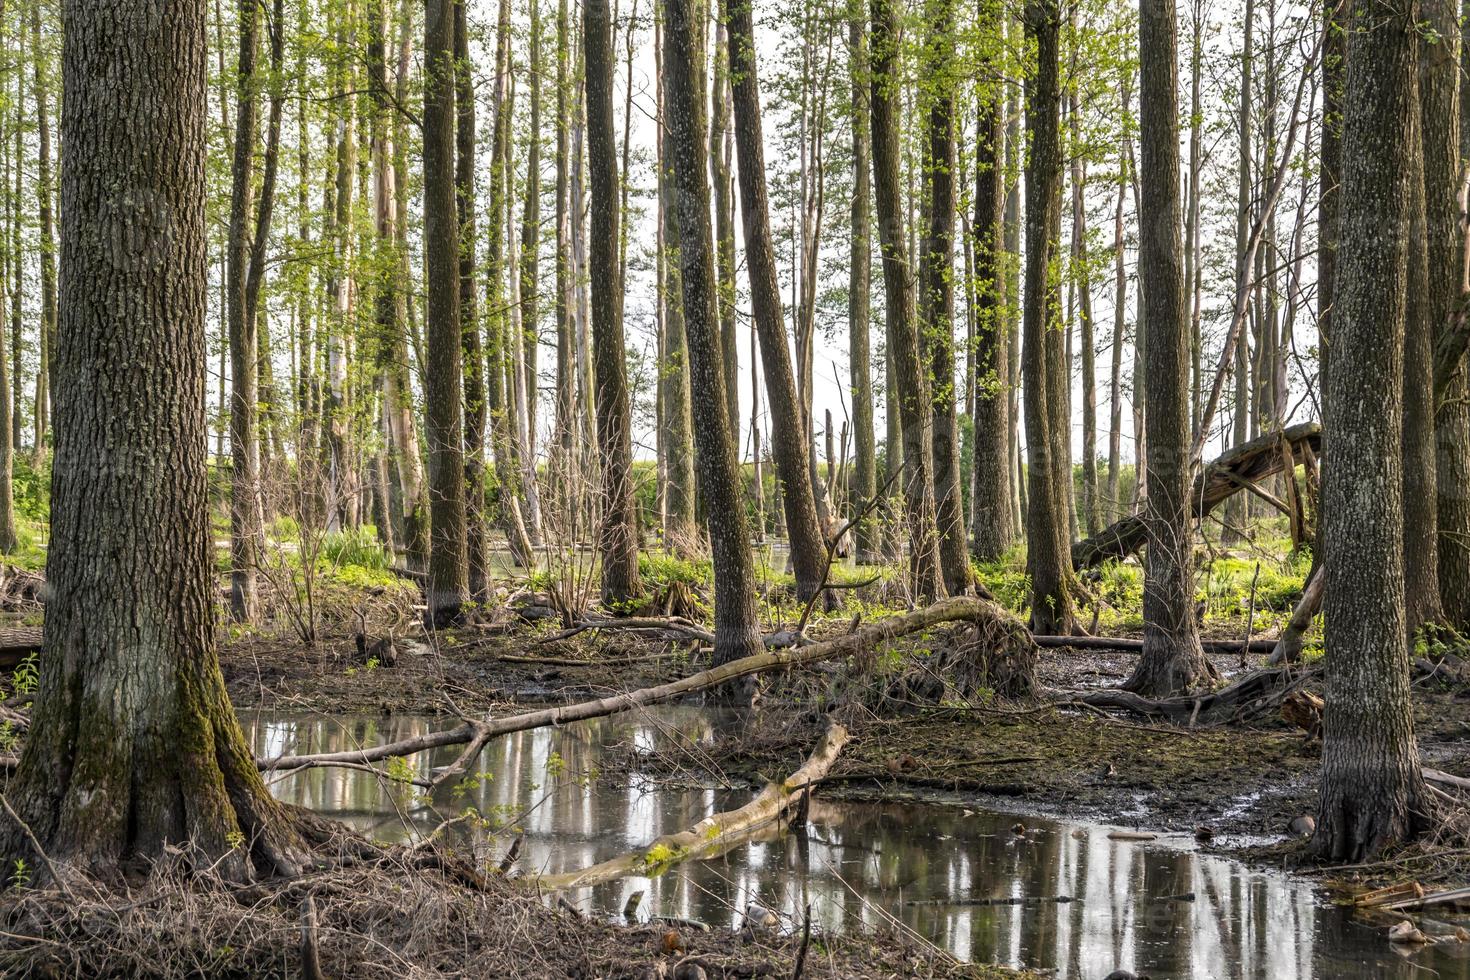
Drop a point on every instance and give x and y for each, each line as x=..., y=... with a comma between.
x=859, y=865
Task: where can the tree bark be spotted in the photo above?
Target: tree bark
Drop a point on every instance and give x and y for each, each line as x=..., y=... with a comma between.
x=45, y=188
x=737, y=631
x=859, y=286
x=133, y=744
x=448, y=585
x=1373, y=793
x=909, y=381
x=936, y=296
x=619, y=533
x=722, y=152
x=788, y=445
x=1173, y=661
x=991, y=526
x=1047, y=559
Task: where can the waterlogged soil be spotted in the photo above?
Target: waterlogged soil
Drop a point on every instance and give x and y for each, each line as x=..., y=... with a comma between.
x=1236, y=787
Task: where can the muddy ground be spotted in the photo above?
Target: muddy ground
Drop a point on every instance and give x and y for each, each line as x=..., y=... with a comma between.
x=1242, y=785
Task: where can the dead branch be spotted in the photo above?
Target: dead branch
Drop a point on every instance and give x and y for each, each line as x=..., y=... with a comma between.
x=1130, y=643
x=1248, y=463
x=960, y=608
x=1288, y=649
x=715, y=834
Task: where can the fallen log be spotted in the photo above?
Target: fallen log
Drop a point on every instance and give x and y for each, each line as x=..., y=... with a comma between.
x=476, y=733
x=1130, y=643
x=714, y=835
x=1248, y=463
x=1253, y=693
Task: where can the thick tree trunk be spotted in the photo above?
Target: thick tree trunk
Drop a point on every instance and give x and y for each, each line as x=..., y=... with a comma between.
x=1047, y=559
x=936, y=295
x=737, y=631
x=859, y=287
x=1173, y=661
x=909, y=381
x=448, y=585
x=788, y=445
x=133, y=744
x=619, y=532
x=1373, y=793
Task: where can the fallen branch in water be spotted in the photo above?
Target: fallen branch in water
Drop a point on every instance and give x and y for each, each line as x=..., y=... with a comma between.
x=1254, y=693
x=715, y=834
x=476, y=732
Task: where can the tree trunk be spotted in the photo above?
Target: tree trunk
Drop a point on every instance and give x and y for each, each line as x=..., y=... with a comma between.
x=1173, y=661
x=619, y=532
x=936, y=294
x=1373, y=793
x=1082, y=276
x=1047, y=559
x=391, y=308
x=722, y=151
x=788, y=445
x=472, y=350
x=910, y=379
x=992, y=530
x=133, y=744
x=1237, y=512
x=673, y=368
x=1426, y=306
x=245, y=530
x=859, y=287
x=448, y=585
x=1442, y=104
x=45, y=188
x=737, y=632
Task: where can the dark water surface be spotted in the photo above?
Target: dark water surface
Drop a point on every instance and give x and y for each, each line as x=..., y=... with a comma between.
x=859, y=865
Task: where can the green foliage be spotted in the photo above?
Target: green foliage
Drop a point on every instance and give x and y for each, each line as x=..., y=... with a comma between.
x=20, y=876
x=31, y=486
x=659, y=568
x=356, y=546
x=27, y=675
x=1006, y=579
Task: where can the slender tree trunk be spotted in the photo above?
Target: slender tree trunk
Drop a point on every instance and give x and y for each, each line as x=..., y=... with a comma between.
x=737, y=632
x=788, y=445
x=448, y=585
x=992, y=528
x=1443, y=105
x=619, y=533
x=859, y=285
x=910, y=380
x=45, y=189
x=936, y=296
x=1082, y=277
x=245, y=530
x=133, y=747
x=722, y=151
x=1173, y=661
x=530, y=283
x=1424, y=308
x=566, y=334
x=1048, y=558
x=1373, y=793
x=674, y=375
x=1237, y=510
x=1113, y=495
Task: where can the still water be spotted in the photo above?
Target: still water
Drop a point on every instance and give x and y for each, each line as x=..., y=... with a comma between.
x=859, y=865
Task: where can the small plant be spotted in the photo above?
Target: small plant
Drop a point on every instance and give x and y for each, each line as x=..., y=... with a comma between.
x=371, y=665
x=400, y=770
x=9, y=737
x=27, y=675
x=20, y=876
x=235, y=839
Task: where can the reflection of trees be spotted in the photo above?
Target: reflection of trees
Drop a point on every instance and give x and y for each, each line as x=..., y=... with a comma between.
x=860, y=864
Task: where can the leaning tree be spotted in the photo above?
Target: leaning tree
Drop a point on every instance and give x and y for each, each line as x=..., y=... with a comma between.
x=133, y=744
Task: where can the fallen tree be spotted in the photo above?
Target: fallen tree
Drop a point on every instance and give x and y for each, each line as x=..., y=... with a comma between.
x=474, y=733
x=1244, y=466
x=715, y=834
x=1252, y=695
x=1129, y=643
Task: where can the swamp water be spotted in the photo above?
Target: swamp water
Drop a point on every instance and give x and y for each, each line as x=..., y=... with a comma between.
x=859, y=865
